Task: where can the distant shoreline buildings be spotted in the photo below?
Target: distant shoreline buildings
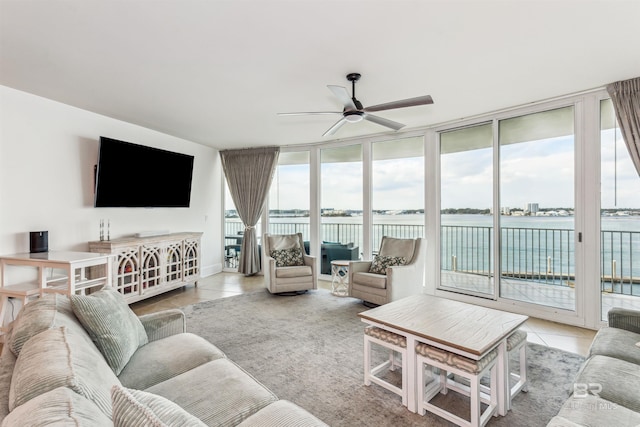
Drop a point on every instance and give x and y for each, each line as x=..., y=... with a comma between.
x=531, y=209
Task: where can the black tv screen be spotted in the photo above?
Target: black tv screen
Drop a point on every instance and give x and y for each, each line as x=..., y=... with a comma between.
x=137, y=176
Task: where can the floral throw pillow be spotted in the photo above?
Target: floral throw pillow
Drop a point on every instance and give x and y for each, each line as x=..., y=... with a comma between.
x=381, y=262
x=287, y=257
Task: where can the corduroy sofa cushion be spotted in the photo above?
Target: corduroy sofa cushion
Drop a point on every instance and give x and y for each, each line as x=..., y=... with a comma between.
x=219, y=393
x=590, y=410
x=112, y=325
x=58, y=407
x=50, y=311
x=616, y=343
x=165, y=358
x=619, y=380
x=282, y=413
x=57, y=358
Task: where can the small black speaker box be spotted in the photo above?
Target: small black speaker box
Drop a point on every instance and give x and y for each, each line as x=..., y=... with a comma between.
x=38, y=241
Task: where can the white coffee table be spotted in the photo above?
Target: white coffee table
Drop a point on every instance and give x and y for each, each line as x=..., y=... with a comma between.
x=468, y=330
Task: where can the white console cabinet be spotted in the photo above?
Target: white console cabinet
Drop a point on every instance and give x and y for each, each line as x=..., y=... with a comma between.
x=148, y=266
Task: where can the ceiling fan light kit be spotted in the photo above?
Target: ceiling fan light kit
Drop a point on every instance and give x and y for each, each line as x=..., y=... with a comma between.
x=353, y=111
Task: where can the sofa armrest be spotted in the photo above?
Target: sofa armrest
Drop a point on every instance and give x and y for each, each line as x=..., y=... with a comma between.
x=269, y=271
x=623, y=318
x=164, y=324
x=359, y=266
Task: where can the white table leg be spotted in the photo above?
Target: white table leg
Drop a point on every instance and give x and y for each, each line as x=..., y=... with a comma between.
x=503, y=378
x=412, y=375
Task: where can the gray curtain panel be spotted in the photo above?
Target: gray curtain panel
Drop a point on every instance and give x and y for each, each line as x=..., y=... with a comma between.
x=249, y=173
x=625, y=96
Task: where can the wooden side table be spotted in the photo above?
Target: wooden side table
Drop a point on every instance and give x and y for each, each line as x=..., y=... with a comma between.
x=340, y=278
x=75, y=277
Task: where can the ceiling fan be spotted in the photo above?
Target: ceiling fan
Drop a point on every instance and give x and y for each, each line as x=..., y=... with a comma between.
x=353, y=111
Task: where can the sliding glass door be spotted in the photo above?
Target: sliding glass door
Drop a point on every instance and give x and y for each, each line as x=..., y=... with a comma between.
x=466, y=213
x=537, y=214
x=527, y=163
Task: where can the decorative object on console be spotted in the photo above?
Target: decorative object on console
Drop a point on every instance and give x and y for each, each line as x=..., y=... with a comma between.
x=102, y=230
x=38, y=241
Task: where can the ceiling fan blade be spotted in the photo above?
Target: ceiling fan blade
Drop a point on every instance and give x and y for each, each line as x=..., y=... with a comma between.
x=304, y=113
x=411, y=102
x=333, y=129
x=384, y=122
x=342, y=94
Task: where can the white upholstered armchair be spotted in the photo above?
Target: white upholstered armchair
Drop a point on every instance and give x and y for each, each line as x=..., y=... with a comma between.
x=287, y=267
x=397, y=271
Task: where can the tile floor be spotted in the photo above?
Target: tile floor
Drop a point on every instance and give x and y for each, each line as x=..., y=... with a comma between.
x=222, y=285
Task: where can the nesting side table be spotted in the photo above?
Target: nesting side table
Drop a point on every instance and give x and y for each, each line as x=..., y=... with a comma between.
x=340, y=278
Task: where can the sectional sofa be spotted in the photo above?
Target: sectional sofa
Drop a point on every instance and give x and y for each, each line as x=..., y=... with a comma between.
x=606, y=391
x=90, y=361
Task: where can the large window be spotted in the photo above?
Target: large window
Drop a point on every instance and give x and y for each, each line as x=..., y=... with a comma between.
x=289, y=195
x=509, y=201
x=620, y=218
x=341, y=204
x=398, y=189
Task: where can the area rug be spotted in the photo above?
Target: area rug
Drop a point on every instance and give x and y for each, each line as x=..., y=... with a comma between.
x=308, y=349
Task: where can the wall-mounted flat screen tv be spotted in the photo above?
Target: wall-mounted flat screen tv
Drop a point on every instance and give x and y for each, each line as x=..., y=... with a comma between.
x=136, y=176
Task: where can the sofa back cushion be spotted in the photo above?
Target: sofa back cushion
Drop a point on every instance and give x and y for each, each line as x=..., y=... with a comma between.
x=50, y=311
x=7, y=364
x=283, y=241
x=59, y=358
x=393, y=247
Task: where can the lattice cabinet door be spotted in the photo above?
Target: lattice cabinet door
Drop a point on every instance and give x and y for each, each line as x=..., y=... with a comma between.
x=191, y=258
x=150, y=265
x=127, y=272
x=151, y=268
x=174, y=271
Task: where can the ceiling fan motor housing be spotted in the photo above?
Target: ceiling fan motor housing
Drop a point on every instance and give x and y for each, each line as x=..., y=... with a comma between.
x=353, y=116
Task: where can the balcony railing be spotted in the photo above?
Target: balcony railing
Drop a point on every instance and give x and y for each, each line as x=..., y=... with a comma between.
x=542, y=255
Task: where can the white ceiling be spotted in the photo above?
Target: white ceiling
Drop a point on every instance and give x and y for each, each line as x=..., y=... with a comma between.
x=216, y=72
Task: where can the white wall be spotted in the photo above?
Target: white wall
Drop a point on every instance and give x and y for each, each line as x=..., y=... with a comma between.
x=47, y=155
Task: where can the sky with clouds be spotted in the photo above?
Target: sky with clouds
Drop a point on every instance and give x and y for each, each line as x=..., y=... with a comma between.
x=531, y=172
